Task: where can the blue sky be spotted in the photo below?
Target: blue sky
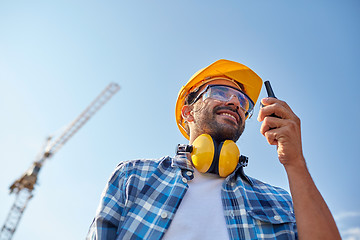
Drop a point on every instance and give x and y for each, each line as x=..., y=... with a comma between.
x=56, y=57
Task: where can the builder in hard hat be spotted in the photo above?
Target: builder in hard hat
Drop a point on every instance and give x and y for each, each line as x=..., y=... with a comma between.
x=203, y=192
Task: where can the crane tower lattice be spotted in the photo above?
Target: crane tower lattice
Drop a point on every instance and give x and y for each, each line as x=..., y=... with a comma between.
x=24, y=186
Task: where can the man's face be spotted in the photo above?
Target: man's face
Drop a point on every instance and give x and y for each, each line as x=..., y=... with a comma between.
x=221, y=120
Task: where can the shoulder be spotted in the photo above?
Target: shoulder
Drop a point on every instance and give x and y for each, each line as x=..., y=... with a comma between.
x=271, y=193
x=140, y=167
x=267, y=187
x=129, y=177
x=144, y=163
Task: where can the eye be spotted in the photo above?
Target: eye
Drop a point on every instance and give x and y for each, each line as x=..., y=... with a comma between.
x=242, y=98
x=219, y=92
x=245, y=104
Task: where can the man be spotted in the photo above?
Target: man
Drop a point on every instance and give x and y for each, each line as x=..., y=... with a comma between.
x=203, y=192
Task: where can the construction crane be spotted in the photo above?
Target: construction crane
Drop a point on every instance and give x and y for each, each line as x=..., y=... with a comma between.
x=24, y=186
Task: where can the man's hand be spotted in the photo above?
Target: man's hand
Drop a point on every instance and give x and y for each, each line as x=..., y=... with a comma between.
x=313, y=217
x=284, y=131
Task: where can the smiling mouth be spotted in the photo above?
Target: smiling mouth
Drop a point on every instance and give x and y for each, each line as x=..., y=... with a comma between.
x=226, y=114
x=229, y=115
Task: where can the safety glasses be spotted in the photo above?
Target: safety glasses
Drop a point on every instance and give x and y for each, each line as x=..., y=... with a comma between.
x=224, y=93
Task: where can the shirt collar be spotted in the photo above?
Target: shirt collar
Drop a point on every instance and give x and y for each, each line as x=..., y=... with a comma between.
x=182, y=160
x=240, y=170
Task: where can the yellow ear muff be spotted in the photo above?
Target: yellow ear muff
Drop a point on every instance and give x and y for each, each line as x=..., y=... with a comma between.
x=209, y=156
x=203, y=152
x=228, y=158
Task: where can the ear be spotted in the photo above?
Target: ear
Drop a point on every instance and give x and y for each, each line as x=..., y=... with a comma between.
x=186, y=113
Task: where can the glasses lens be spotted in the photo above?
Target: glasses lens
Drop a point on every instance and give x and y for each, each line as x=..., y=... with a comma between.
x=220, y=93
x=225, y=93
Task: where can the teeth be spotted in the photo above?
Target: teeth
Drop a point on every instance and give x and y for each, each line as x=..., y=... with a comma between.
x=228, y=115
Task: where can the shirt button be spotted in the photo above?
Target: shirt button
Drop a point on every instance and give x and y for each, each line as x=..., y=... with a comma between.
x=189, y=173
x=232, y=215
x=277, y=217
x=184, y=180
x=163, y=215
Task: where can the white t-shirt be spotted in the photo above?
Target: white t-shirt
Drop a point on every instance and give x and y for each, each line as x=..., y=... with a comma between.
x=200, y=214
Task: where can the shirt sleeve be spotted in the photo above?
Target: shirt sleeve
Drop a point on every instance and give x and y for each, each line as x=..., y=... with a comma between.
x=107, y=219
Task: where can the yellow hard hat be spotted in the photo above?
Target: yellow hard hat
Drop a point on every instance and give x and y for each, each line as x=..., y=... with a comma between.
x=233, y=70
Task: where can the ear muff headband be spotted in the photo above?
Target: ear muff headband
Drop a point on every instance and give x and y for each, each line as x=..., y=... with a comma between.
x=209, y=156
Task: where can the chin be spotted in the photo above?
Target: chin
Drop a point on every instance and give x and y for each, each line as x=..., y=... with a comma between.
x=220, y=130
x=227, y=133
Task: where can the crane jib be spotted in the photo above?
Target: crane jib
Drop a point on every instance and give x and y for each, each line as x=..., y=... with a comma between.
x=24, y=185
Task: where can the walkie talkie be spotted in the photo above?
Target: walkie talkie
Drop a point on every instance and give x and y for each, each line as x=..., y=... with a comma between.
x=270, y=93
x=269, y=90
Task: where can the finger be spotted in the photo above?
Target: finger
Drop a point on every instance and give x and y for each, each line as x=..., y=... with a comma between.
x=271, y=137
x=272, y=106
x=270, y=123
x=273, y=110
x=271, y=100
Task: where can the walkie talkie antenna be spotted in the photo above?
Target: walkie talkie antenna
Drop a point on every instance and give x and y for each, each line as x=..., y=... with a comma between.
x=269, y=90
x=270, y=93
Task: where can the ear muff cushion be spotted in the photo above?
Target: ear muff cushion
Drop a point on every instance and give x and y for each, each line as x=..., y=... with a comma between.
x=203, y=152
x=228, y=158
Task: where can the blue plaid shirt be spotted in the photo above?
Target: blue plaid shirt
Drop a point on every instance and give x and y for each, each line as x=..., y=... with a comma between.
x=142, y=196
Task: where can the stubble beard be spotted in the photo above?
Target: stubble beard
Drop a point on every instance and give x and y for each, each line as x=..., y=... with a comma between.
x=219, y=131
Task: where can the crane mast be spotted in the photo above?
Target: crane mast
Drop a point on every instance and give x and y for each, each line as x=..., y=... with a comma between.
x=24, y=186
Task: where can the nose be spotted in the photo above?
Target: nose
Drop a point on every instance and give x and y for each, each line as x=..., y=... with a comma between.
x=234, y=100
